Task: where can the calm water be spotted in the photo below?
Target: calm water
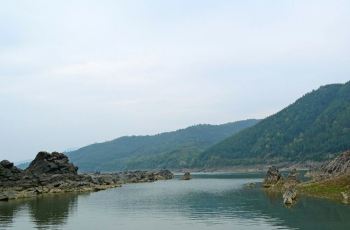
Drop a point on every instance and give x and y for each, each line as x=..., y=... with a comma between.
x=209, y=201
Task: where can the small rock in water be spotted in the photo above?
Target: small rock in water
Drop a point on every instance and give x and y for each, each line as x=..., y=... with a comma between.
x=289, y=196
x=272, y=177
x=187, y=176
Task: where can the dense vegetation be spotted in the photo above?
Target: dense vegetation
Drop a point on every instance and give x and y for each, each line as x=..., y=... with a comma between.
x=172, y=150
x=313, y=128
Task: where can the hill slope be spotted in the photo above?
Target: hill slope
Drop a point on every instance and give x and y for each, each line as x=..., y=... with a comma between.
x=176, y=149
x=315, y=126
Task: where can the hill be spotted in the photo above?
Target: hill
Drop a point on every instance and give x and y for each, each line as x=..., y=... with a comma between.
x=315, y=127
x=171, y=150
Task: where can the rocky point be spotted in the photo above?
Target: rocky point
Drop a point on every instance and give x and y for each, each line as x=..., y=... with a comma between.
x=53, y=173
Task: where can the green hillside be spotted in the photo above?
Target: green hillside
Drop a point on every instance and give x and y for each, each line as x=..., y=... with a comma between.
x=172, y=150
x=313, y=128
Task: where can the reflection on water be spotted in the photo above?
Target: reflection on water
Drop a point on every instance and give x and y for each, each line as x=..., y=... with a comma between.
x=51, y=210
x=209, y=201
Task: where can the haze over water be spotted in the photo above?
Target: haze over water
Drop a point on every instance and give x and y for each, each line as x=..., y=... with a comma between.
x=209, y=201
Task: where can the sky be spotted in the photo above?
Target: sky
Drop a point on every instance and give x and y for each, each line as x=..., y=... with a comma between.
x=76, y=72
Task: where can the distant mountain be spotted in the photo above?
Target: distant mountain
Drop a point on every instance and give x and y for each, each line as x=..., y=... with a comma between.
x=22, y=164
x=313, y=128
x=172, y=150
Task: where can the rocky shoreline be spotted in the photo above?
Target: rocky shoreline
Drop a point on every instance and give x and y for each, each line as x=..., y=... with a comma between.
x=331, y=180
x=53, y=173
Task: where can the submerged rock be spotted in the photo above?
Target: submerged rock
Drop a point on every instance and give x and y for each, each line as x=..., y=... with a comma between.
x=187, y=176
x=273, y=176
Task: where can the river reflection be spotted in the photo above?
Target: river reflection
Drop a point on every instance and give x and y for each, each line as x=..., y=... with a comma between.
x=209, y=201
x=49, y=210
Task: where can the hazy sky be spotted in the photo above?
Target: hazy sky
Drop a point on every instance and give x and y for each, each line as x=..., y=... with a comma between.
x=76, y=72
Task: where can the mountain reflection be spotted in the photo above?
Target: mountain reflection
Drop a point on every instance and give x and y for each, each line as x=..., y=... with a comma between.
x=50, y=210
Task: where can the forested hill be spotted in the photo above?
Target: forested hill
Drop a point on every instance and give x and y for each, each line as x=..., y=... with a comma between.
x=172, y=150
x=313, y=128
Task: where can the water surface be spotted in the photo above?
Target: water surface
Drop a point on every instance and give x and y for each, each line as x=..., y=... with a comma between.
x=209, y=201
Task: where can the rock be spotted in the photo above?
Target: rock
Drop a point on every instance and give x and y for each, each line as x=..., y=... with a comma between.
x=53, y=173
x=345, y=196
x=8, y=172
x=6, y=164
x=54, y=163
x=272, y=177
x=338, y=166
x=292, y=179
x=289, y=196
x=164, y=174
x=187, y=176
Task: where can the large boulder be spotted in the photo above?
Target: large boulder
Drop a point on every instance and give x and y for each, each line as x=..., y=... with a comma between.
x=54, y=163
x=273, y=176
x=9, y=172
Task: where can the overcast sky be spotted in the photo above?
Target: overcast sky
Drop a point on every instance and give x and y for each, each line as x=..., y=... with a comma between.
x=76, y=72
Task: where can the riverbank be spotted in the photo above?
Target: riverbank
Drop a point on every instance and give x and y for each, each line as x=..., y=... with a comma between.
x=330, y=181
x=337, y=189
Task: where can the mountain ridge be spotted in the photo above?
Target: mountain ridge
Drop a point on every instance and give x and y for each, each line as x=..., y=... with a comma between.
x=176, y=149
x=315, y=127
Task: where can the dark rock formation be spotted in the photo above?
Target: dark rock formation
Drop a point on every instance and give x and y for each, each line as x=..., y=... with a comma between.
x=47, y=173
x=54, y=163
x=187, y=176
x=338, y=166
x=9, y=172
x=272, y=177
x=52, y=173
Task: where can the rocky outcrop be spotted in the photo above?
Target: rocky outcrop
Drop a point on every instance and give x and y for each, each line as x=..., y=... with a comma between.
x=289, y=196
x=9, y=172
x=53, y=173
x=187, y=176
x=54, y=163
x=164, y=174
x=290, y=187
x=331, y=180
x=275, y=182
x=47, y=173
x=272, y=178
x=144, y=176
x=338, y=166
